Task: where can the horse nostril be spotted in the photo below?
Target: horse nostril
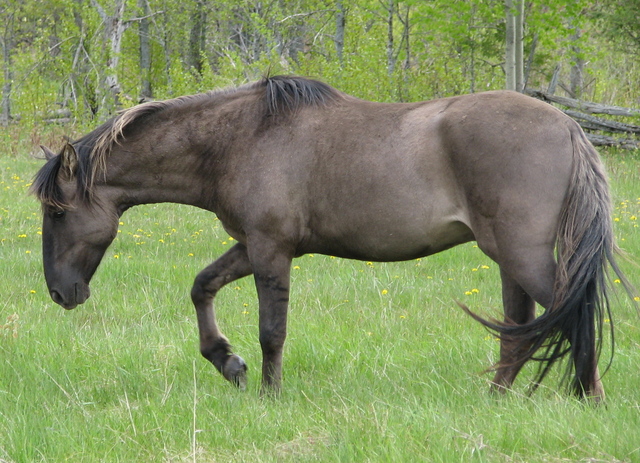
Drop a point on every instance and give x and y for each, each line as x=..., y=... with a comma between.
x=57, y=298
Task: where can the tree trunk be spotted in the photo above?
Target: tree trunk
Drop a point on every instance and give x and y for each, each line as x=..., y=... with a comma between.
x=514, y=64
x=197, y=37
x=519, y=44
x=510, y=48
x=114, y=28
x=5, y=115
x=576, y=75
x=7, y=61
x=391, y=60
x=339, y=40
x=145, y=51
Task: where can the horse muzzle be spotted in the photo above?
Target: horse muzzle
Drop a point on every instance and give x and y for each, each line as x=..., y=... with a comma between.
x=77, y=294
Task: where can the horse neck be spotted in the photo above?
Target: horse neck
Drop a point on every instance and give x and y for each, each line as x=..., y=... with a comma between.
x=173, y=161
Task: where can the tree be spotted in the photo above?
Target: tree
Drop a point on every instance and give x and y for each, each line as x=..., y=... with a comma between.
x=619, y=20
x=514, y=55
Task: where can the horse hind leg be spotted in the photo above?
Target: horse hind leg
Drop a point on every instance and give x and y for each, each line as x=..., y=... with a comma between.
x=526, y=281
x=214, y=346
x=519, y=308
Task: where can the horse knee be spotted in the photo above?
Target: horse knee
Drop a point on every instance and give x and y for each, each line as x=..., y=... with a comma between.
x=201, y=291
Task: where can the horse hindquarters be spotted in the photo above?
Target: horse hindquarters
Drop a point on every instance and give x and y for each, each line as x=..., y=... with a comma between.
x=573, y=291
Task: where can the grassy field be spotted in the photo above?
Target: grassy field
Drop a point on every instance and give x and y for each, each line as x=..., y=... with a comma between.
x=380, y=363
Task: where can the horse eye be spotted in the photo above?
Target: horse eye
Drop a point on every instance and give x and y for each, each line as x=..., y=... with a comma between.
x=58, y=214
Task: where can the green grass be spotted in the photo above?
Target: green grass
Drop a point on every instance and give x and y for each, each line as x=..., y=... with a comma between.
x=380, y=363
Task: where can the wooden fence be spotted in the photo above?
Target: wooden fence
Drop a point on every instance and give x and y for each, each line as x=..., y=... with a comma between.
x=600, y=131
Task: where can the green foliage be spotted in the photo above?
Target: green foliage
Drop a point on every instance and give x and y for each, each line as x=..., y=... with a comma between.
x=440, y=48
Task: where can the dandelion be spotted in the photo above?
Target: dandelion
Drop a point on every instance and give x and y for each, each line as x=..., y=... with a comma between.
x=296, y=267
x=475, y=290
x=383, y=292
x=402, y=316
x=238, y=288
x=370, y=264
x=22, y=236
x=468, y=293
x=33, y=291
x=484, y=267
x=633, y=217
x=116, y=256
x=28, y=252
x=617, y=280
x=474, y=269
x=617, y=219
x=190, y=254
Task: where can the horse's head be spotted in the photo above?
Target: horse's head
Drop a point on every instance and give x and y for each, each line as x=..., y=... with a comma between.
x=79, y=223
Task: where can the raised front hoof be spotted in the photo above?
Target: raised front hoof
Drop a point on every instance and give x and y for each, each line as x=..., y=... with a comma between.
x=235, y=371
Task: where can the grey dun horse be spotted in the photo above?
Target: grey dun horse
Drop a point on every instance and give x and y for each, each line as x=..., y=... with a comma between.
x=293, y=166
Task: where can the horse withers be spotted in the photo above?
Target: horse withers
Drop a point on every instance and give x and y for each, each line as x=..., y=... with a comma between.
x=293, y=166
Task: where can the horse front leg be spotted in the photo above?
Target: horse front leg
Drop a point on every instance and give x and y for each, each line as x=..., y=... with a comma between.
x=214, y=346
x=271, y=270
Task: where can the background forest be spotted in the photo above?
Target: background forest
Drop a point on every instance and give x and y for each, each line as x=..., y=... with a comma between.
x=381, y=364
x=80, y=60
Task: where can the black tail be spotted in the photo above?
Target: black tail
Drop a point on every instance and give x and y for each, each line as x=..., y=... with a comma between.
x=573, y=325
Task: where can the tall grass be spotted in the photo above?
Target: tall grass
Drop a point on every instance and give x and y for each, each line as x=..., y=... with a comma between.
x=380, y=364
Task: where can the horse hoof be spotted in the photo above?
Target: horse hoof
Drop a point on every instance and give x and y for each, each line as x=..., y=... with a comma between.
x=235, y=371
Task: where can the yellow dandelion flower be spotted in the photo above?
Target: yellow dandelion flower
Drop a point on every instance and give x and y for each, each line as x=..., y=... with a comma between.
x=617, y=280
x=637, y=298
x=190, y=254
x=474, y=269
x=475, y=290
x=370, y=264
x=383, y=292
x=296, y=267
x=468, y=293
x=484, y=267
x=33, y=291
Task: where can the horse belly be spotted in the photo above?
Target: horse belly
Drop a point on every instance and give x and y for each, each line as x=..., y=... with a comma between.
x=394, y=239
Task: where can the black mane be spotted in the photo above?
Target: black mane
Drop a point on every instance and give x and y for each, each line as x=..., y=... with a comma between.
x=286, y=94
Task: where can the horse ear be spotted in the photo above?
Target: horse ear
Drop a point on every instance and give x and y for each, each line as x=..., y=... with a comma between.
x=48, y=154
x=69, y=160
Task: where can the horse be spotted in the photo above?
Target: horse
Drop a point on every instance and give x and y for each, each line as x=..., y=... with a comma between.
x=292, y=166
